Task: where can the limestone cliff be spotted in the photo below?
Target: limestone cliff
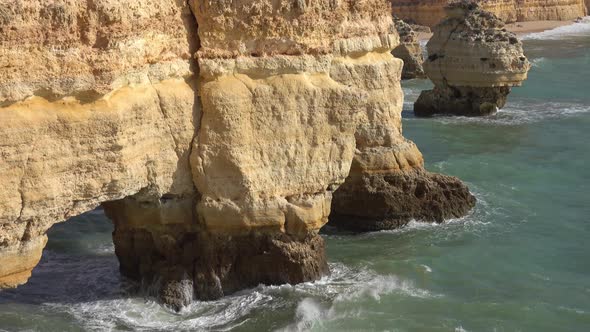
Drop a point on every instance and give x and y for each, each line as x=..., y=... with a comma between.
x=387, y=185
x=408, y=50
x=216, y=155
x=431, y=12
x=472, y=61
x=98, y=104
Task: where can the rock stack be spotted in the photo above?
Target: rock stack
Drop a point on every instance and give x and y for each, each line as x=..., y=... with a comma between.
x=472, y=61
x=408, y=50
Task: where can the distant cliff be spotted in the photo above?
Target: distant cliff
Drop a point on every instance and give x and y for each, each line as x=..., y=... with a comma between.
x=430, y=12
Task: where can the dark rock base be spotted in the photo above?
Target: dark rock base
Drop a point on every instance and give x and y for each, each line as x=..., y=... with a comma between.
x=177, y=263
x=209, y=267
x=372, y=202
x=463, y=101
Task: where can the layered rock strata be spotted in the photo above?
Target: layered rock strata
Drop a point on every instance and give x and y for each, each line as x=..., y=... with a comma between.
x=388, y=186
x=97, y=103
x=431, y=12
x=472, y=61
x=217, y=173
x=408, y=50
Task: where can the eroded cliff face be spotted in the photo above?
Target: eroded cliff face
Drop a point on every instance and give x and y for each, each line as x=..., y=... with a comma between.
x=431, y=12
x=472, y=61
x=387, y=186
x=217, y=172
x=98, y=104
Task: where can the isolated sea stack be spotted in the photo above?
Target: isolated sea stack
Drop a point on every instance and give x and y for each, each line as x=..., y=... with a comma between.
x=408, y=50
x=473, y=62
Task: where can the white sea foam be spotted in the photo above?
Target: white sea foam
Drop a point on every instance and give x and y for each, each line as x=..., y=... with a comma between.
x=538, y=62
x=576, y=29
x=426, y=268
x=519, y=113
x=99, y=301
x=344, y=287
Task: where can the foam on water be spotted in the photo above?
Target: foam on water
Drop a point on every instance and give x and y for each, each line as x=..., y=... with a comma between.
x=576, y=29
x=538, y=62
x=100, y=300
x=517, y=112
x=349, y=286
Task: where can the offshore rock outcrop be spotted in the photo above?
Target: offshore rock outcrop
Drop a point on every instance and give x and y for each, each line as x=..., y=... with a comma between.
x=472, y=61
x=217, y=173
x=431, y=12
x=408, y=50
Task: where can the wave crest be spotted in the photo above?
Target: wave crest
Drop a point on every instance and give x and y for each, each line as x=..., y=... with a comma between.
x=581, y=28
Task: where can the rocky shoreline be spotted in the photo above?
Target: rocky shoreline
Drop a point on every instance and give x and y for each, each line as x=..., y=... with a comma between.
x=216, y=141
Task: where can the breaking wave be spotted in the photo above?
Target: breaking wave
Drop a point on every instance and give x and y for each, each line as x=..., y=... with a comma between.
x=517, y=112
x=90, y=290
x=349, y=286
x=580, y=28
x=538, y=62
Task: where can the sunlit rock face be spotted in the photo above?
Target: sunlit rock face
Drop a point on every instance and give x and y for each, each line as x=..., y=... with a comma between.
x=431, y=12
x=387, y=185
x=215, y=135
x=97, y=102
x=472, y=61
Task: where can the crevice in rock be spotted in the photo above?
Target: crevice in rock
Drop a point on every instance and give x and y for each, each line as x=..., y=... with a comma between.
x=166, y=120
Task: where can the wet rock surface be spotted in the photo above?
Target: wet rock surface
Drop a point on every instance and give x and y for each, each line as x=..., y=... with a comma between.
x=391, y=200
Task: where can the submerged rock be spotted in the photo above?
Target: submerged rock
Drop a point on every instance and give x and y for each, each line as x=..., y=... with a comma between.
x=408, y=50
x=472, y=61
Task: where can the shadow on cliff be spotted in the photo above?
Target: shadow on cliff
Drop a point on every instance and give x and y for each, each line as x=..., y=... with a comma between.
x=78, y=265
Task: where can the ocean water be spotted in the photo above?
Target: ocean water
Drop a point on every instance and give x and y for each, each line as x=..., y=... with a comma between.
x=518, y=262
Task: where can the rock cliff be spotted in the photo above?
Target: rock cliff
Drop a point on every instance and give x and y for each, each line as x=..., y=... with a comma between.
x=431, y=12
x=98, y=103
x=213, y=133
x=408, y=50
x=472, y=61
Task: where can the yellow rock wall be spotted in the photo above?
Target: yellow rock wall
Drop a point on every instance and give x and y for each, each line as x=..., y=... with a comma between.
x=216, y=155
x=97, y=102
x=430, y=12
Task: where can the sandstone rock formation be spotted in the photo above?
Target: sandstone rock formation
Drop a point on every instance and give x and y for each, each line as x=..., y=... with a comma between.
x=431, y=12
x=408, y=50
x=387, y=186
x=217, y=173
x=472, y=61
x=98, y=104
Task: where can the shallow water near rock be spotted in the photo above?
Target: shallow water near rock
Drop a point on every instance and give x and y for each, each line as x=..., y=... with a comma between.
x=518, y=262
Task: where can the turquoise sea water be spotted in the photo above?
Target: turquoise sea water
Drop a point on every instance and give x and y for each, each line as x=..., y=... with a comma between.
x=518, y=262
